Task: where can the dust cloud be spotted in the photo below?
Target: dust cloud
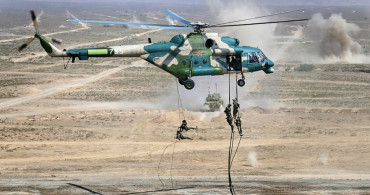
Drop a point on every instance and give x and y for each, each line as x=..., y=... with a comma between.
x=252, y=158
x=261, y=36
x=170, y=20
x=324, y=158
x=194, y=99
x=332, y=40
x=323, y=40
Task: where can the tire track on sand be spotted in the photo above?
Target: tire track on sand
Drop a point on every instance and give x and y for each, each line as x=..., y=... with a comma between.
x=83, y=27
x=61, y=87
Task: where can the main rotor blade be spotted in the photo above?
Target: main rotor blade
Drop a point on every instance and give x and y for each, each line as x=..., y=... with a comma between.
x=177, y=17
x=258, y=23
x=29, y=40
x=34, y=20
x=132, y=23
x=174, y=28
x=286, y=12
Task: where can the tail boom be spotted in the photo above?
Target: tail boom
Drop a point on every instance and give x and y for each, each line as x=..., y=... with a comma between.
x=50, y=48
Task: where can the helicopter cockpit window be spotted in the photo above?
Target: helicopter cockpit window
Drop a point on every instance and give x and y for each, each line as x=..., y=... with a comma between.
x=260, y=59
x=205, y=61
x=252, y=58
x=196, y=62
x=261, y=56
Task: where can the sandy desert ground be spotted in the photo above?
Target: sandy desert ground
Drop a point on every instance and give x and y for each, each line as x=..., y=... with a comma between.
x=107, y=126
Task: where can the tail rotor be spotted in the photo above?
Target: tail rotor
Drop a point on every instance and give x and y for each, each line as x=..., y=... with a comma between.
x=37, y=35
x=34, y=20
x=29, y=40
x=36, y=26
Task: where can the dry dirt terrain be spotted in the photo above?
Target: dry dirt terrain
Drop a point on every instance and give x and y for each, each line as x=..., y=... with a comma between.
x=66, y=140
x=107, y=126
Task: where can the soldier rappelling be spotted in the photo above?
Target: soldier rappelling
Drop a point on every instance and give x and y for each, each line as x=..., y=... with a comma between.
x=238, y=124
x=183, y=127
x=236, y=107
x=229, y=117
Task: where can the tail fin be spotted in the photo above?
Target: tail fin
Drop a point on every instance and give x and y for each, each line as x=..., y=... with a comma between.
x=50, y=48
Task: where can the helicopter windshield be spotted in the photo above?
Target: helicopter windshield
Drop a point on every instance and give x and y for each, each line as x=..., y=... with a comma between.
x=261, y=56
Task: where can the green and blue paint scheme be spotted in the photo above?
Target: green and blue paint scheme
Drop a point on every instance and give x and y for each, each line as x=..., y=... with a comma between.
x=184, y=56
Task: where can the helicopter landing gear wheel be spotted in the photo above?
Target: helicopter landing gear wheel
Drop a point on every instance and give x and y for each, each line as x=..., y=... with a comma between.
x=241, y=82
x=189, y=84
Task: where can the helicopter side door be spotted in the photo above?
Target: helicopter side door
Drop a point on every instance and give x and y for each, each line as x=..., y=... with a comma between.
x=235, y=62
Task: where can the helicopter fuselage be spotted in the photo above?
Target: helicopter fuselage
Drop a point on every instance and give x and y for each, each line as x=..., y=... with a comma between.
x=184, y=56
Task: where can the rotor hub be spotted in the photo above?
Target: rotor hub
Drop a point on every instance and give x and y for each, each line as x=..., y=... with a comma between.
x=199, y=26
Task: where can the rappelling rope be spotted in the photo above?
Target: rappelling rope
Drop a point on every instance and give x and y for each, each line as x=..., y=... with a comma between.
x=181, y=112
x=179, y=102
x=236, y=88
x=229, y=86
x=229, y=163
x=240, y=138
x=173, y=154
x=231, y=156
x=159, y=164
x=230, y=145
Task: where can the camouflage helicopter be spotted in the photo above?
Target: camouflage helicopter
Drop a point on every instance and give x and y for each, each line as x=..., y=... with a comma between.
x=184, y=56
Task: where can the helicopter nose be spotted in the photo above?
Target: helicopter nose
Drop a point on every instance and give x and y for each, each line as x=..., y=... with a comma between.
x=268, y=64
x=268, y=67
x=271, y=63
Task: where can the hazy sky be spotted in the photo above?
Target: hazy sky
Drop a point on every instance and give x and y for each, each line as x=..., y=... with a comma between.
x=265, y=2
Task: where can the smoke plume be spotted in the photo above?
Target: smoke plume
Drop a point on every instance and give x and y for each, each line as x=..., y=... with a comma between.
x=332, y=39
x=256, y=36
x=170, y=20
x=324, y=158
x=322, y=40
x=252, y=158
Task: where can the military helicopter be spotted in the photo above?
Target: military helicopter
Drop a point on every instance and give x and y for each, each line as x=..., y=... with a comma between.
x=184, y=56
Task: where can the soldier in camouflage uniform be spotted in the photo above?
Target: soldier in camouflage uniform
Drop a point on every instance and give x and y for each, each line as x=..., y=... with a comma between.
x=229, y=117
x=238, y=124
x=182, y=128
x=236, y=107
